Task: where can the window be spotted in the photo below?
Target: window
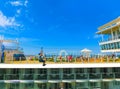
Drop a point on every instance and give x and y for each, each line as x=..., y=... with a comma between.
x=116, y=70
x=42, y=71
x=3, y=71
x=82, y=84
x=91, y=70
x=67, y=71
x=14, y=71
x=54, y=71
x=93, y=84
x=79, y=70
x=29, y=71
x=117, y=83
x=104, y=70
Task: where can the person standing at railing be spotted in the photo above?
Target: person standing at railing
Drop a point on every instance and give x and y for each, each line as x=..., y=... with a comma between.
x=42, y=58
x=2, y=53
x=60, y=58
x=55, y=58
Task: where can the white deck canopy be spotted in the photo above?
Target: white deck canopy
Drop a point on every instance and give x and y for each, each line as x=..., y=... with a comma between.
x=86, y=52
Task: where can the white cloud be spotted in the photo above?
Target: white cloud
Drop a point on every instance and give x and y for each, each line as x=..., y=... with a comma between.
x=7, y=21
x=25, y=3
x=24, y=39
x=18, y=11
x=19, y=3
x=16, y=3
x=97, y=36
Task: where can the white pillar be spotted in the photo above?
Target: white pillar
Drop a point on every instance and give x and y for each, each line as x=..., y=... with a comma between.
x=112, y=34
x=116, y=34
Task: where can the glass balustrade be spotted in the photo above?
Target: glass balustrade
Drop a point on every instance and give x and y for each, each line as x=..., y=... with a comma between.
x=81, y=76
x=107, y=75
x=68, y=76
x=94, y=76
x=11, y=77
x=117, y=75
x=27, y=76
x=40, y=76
x=54, y=77
x=1, y=76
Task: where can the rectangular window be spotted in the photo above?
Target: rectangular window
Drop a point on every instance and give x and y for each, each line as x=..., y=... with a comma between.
x=54, y=71
x=116, y=70
x=79, y=70
x=42, y=71
x=91, y=70
x=67, y=71
x=117, y=83
x=29, y=71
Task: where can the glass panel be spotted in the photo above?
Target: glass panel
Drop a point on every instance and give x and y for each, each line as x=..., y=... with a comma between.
x=94, y=76
x=68, y=86
x=68, y=76
x=11, y=77
x=54, y=76
x=82, y=76
x=107, y=76
x=27, y=86
x=2, y=85
x=54, y=71
x=27, y=76
x=42, y=71
x=12, y=86
x=67, y=71
x=79, y=70
x=54, y=86
x=40, y=76
x=82, y=85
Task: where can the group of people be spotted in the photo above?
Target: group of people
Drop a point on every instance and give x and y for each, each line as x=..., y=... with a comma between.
x=43, y=59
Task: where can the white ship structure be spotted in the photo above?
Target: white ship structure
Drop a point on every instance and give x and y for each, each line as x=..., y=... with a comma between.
x=101, y=72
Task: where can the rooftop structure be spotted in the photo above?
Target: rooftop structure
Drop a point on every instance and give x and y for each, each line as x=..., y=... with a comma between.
x=110, y=33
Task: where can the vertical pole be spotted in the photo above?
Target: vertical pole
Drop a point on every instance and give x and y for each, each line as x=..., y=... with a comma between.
x=116, y=33
x=112, y=34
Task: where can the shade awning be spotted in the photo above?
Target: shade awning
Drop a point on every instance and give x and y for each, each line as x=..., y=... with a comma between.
x=86, y=50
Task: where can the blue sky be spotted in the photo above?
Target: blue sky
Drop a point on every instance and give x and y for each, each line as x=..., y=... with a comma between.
x=56, y=24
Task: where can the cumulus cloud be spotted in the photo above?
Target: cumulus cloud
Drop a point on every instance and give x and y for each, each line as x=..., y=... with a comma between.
x=19, y=3
x=23, y=39
x=16, y=3
x=25, y=3
x=7, y=21
x=96, y=36
x=20, y=6
x=18, y=11
x=13, y=24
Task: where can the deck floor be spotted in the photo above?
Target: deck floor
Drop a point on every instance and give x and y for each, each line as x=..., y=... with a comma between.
x=64, y=62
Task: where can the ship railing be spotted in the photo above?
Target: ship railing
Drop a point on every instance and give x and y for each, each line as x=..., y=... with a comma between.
x=72, y=76
x=81, y=60
x=110, y=39
x=95, y=76
x=82, y=76
x=11, y=77
x=40, y=77
x=68, y=76
x=27, y=76
x=108, y=76
x=54, y=76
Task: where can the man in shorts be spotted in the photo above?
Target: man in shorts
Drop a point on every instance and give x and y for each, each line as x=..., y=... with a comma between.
x=41, y=58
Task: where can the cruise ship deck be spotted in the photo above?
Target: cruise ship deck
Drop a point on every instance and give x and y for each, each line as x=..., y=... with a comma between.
x=56, y=75
x=79, y=72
